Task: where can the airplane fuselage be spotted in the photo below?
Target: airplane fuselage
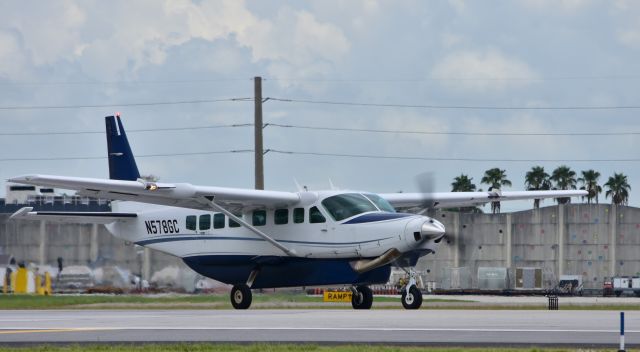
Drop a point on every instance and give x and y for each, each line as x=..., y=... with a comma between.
x=215, y=246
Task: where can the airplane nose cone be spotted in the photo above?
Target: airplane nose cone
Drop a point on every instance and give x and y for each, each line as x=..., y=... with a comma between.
x=432, y=229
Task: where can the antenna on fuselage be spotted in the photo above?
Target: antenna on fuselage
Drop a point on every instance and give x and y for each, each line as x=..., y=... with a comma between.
x=300, y=189
x=332, y=186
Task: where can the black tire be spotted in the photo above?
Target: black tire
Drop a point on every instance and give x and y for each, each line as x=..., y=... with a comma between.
x=362, y=298
x=241, y=296
x=413, y=299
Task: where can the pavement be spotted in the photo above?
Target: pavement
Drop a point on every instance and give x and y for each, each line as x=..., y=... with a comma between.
x=574, y=328
x=541, y=300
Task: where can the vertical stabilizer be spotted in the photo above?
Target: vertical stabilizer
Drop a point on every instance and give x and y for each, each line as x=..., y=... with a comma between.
x=122, y=165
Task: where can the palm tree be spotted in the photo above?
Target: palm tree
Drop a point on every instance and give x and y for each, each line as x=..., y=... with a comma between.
x=495, y=178
x=618, y=189
x=463, y=183
x=537, y=180
x=565, y=178
x=590, y=184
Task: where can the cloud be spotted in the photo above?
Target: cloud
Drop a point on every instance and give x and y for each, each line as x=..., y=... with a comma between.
x=627, y=20
x=107, y=49
x=12, y=59
x=482, y=70
x=296, y=44
x=459, y=5
x=630, y=38
x=49, y=30
x=425, y=145
x=564, y=5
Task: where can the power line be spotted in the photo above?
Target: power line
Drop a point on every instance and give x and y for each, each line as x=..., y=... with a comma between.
x=288, y=152
x=455, y=107
x=179, y=102
x=340, y=129
x=369, y=156
x=329, y=80
x=346, y=129
x=239, y=151
x=323, y=102
x=436, y=78
x=128, y=131
x=82, y=83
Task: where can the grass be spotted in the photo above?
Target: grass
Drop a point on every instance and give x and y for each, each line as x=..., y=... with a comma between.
x=260, y=301
x=213, y=301
x=197, y=347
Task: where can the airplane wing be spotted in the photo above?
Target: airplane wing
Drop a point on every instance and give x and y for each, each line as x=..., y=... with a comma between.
x=83, y=217
x=172, y=194
x=462, y=199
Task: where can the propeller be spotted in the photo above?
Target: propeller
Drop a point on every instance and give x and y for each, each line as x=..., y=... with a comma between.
x=426, y=185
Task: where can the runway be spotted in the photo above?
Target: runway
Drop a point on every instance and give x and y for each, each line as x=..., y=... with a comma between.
x=441, y=327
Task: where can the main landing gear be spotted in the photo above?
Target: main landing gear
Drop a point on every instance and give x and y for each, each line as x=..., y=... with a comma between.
x=241, y=296
x=241, y=293
x=361, y=297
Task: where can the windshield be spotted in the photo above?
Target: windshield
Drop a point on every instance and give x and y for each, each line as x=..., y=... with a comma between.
x=344, y=206
x=381, y=203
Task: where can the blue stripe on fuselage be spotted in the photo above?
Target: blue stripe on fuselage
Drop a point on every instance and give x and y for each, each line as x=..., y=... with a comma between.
x=175, y=238
x=284, y=271
x=375, y=217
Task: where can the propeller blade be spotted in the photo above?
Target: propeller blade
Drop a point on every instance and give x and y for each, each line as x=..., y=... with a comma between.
x=426, y=185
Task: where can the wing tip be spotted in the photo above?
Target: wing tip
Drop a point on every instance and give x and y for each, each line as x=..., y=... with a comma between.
x=23, y=178
x=22, y=212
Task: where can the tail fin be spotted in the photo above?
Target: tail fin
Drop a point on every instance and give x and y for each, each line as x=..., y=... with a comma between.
x=122, y=165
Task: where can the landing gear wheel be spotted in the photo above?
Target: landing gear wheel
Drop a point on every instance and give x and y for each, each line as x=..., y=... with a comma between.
x=412, y=299
x=362, y=298
x=240, y=296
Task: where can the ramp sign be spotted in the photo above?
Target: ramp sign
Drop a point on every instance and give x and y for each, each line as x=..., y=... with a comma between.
x=337, y=296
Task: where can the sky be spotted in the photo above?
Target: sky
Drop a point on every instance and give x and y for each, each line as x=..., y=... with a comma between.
x=451, y=67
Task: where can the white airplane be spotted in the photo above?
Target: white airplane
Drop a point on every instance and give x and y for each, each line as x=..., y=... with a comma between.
x=256, y=239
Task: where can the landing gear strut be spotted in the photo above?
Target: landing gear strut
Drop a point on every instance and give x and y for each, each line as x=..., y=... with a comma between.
x=362, y=297
x=411, y=294
x=241, y=296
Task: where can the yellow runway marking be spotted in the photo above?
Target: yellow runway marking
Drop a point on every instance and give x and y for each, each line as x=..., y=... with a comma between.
x=6, y=332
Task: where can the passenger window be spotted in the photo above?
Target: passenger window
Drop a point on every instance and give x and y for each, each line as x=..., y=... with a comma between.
x=205, y=222
x=191, y=222
x=315, y=216
x=233, y=223
x=218, y=221
x=259, y=218
x=298, y=215
x=281, y=216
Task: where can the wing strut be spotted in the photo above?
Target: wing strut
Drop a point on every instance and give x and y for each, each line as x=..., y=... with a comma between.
x=209, y=201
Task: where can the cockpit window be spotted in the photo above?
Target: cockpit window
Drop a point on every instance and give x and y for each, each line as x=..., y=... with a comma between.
x=346, y=205
x=381, y=203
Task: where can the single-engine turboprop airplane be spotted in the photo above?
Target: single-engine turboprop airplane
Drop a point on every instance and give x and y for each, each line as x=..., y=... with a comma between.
x=255, y=239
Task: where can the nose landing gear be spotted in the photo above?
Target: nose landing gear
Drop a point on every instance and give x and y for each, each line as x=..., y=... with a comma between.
x=411, y=294
x=411, y=298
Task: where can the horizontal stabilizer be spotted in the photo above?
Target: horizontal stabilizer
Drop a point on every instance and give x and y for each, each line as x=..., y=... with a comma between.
x=77, y=217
